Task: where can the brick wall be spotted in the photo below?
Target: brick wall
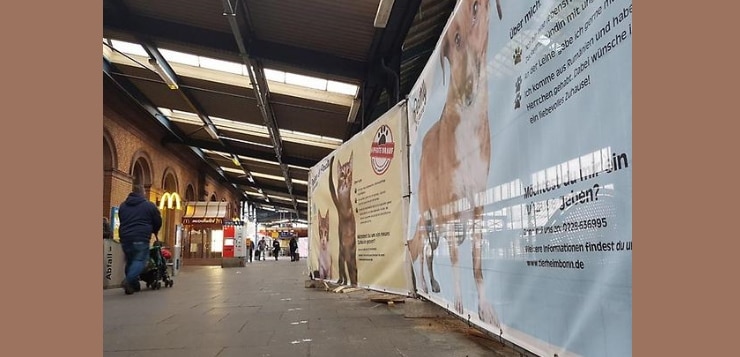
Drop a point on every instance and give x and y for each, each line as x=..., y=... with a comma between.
x=130, y=136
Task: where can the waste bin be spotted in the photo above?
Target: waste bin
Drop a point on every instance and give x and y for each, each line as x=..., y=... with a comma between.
x=114, y=264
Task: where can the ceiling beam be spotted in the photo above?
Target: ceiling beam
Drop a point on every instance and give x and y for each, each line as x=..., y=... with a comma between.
x=268, y=188
x=238, y=18
x=220, y=42
x=278, y=205
x=257, y=154
x=309, y=59
x=269, y=217
x=384, y=61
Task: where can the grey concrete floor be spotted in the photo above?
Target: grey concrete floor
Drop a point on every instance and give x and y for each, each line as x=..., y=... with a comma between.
x=264, y=309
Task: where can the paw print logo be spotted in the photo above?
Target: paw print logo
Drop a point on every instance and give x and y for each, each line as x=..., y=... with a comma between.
x=382, y=150
x=381, y=137
x=518, y=83
x=517, y=55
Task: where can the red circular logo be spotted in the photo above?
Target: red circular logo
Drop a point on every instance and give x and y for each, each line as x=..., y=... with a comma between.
x=381, y=152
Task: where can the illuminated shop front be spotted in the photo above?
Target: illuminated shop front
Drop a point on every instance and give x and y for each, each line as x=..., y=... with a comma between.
x=203, y=224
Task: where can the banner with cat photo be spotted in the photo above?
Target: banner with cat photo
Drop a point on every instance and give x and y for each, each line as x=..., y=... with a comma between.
x=357, y=210
x=520, y=169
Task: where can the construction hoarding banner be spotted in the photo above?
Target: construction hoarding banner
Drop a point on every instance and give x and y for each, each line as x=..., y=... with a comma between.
x=356, y=209
x=520, y=169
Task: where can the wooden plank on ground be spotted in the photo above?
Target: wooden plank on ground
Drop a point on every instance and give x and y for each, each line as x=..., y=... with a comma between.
x=388, y=298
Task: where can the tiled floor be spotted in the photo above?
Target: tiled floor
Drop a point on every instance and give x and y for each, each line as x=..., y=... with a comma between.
x=264, y=309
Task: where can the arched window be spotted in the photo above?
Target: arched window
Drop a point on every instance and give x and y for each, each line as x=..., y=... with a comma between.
x=190, y=193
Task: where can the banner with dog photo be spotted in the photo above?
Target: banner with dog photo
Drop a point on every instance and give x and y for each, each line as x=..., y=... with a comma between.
x=357, y=211
x=520, y=169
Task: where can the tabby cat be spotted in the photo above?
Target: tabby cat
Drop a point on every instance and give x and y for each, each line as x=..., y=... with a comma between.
x=347, y=229
x=324, y=255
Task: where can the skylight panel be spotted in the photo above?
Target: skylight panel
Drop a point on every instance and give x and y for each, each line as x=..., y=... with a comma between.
x=179, y=57
x=341, y=88
x=129, y=48
x=275, y=75
x=224, y=66
x=305, y=81
x=272, y=75
x=252, y=129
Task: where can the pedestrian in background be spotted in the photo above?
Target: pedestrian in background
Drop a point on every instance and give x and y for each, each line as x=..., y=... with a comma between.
x=293, y=249
x=250, y=248
x=261, y=247
x=276, y=248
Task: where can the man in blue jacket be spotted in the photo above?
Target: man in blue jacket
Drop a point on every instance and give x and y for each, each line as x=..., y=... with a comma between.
x=140, y=218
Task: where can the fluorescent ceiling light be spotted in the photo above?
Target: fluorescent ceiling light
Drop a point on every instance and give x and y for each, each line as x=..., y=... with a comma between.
x=277, y=178
x=280, y=198
x=274, y=163
x=162, y=73
x=353, y=111
x=232, y=170
x=215, y=152
x=383, y=13
x=211, y=131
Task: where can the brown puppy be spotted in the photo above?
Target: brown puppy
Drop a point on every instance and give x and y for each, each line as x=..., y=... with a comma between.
x=456, y=154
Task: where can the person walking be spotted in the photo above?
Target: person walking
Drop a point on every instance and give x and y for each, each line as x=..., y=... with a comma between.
x=250, y=248
x=276, y=248
x=140, y=218
x=261, y=247
x=293, y=249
